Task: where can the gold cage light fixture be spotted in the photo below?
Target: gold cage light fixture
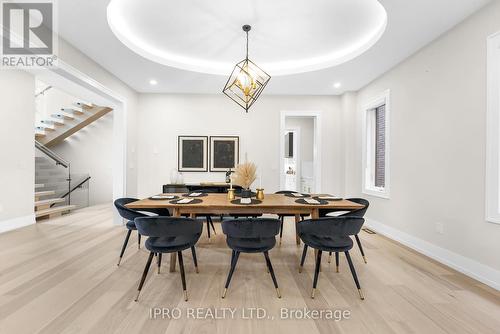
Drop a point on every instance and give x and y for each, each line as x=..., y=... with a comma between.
x=247, y=81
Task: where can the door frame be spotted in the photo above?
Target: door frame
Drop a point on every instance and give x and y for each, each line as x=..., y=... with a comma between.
x=317, y=117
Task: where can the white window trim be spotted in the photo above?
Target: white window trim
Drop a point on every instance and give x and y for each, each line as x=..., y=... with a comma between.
x=383, y=98
x=493, y=131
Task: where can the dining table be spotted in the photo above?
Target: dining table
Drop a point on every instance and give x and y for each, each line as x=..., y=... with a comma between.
x=219, y=204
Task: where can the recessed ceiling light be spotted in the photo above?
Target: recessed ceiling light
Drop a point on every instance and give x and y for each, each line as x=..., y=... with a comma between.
x=153, y=82
x=337, y=85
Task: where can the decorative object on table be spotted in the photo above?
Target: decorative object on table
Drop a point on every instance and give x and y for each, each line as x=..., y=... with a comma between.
x=228, y=175
x=260, y=194
x=195, y=194
x=163, y=197
x=327, y=198
x=176, y=177
x=311, y=201
x=251, y=201
x=224, y=153
x=247, y=81
x=192, y=153
x=230, y=194
x=244, y=176
x=186, y=201
x=297, y=195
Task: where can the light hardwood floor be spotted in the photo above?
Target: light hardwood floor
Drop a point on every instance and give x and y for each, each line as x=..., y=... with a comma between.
x=61, y=277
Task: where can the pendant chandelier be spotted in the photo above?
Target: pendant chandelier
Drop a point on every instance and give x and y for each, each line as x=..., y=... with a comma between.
x=247, y=81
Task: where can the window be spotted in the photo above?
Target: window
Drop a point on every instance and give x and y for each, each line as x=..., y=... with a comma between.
x=493, y=131
x=375, y=147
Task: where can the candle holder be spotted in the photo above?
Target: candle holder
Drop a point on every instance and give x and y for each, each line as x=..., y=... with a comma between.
x=230, y=194
x=260, y=194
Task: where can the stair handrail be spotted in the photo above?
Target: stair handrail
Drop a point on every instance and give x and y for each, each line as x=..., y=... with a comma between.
x=51, y=154
x=68, y=193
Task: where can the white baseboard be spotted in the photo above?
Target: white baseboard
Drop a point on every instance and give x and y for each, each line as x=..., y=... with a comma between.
x=465, y=265
x=15, y=223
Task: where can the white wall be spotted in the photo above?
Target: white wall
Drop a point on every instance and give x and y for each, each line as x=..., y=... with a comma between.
x=438, y=115
x=17, y=176
x=165, y=116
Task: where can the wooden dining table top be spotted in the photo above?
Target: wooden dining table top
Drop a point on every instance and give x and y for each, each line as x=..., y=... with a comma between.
x=272, y=203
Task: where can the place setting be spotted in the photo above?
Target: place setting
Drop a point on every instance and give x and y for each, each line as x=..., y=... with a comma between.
x=186, y=201
x=162, y=197
x=311, y=201
x=297, y=195
x=328, y=198
x=195, y=194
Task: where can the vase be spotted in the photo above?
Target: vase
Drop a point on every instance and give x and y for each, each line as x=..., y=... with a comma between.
x=246, y=193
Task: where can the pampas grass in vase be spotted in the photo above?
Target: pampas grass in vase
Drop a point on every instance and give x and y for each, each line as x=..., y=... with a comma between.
x=244, y=175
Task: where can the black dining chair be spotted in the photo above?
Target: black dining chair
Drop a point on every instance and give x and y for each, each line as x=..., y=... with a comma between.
x=169, y=235
x=130, y=215
x=250, y=235
x=359, y=213
x=282, y=217
x=331, y=234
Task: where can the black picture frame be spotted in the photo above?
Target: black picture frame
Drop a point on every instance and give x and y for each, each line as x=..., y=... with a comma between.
x=192, y=153
x=224, y=153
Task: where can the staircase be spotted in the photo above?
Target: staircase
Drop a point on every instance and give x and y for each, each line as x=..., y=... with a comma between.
x=49, y=180
x=56, y=189
x=65, y=122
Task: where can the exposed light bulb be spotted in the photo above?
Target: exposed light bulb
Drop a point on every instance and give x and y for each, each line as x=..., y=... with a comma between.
x=153, y=82
x=337, y=85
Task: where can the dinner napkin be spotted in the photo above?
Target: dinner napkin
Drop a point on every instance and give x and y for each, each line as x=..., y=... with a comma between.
x=185, y=200
x=246, y=201
x=311, y=201
x=194, y=194
x=297, y=195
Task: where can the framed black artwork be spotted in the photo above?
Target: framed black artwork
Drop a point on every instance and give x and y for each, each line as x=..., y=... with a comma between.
x=192, y=155
x=224, y=153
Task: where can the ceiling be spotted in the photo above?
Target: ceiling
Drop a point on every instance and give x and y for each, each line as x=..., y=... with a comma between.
x=308, y=46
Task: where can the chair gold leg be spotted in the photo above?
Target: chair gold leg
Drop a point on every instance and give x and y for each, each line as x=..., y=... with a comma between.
x=330, y=258
x=337, y=269
x=364, y=259
x=313, y=293
x=224, y=293
x=300, y=269
x=137, y=297
x=361, y=295
x=278, y=292
x=119, y=260
x=185, y=295
x=196, y=269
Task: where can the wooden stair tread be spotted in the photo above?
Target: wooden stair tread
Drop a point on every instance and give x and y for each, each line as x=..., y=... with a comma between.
x=49, y=201
x=63, y=116
x=56, y=209
x=44, y=193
